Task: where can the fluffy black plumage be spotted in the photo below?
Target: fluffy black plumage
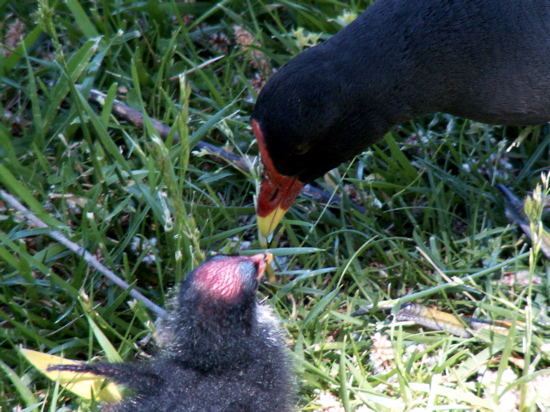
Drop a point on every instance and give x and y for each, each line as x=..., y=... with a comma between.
x=226, y=352
x=486, y=60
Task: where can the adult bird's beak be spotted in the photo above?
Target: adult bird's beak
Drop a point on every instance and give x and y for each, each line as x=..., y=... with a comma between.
x=277, y=192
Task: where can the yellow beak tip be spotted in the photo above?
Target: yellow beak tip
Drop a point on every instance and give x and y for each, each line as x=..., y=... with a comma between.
x=267, y=224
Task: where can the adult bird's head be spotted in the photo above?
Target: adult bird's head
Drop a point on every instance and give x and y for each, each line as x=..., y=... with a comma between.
x=277, y=192
x=306, y=123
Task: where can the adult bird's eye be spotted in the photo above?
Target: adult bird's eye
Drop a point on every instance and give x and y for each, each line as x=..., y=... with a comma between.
x=301, y=149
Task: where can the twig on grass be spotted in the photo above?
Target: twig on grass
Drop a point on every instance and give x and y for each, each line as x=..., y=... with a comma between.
x=87, y=256
x=125, y=112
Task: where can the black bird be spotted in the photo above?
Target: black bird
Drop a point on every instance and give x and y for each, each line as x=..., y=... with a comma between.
x=486, y=60
x=226, y=352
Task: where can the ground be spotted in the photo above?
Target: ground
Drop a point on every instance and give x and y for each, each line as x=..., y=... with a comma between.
x=420, y=217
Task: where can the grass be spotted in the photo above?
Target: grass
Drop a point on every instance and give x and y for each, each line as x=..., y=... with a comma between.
x=151, y=210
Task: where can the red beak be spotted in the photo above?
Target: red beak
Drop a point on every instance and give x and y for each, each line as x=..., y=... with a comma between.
x=277, y=192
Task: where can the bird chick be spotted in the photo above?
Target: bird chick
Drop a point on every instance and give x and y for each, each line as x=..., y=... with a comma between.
x=226, y=351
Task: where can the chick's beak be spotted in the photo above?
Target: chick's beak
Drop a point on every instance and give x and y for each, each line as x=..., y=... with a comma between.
x=263, y=260
x=277, y=192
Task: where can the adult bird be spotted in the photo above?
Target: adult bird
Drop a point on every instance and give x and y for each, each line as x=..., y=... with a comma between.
x=226, y=353
x=484, y=60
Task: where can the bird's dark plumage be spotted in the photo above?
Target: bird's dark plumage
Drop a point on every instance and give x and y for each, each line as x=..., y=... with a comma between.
x=226, y=352
x=480, y=59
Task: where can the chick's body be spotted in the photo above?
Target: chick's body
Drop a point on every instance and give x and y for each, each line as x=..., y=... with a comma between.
x=226, y=352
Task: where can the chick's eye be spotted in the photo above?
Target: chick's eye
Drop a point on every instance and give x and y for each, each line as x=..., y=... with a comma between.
x=301, y=149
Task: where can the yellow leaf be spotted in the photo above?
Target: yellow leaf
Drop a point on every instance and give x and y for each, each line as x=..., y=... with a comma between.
x=84, y=385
